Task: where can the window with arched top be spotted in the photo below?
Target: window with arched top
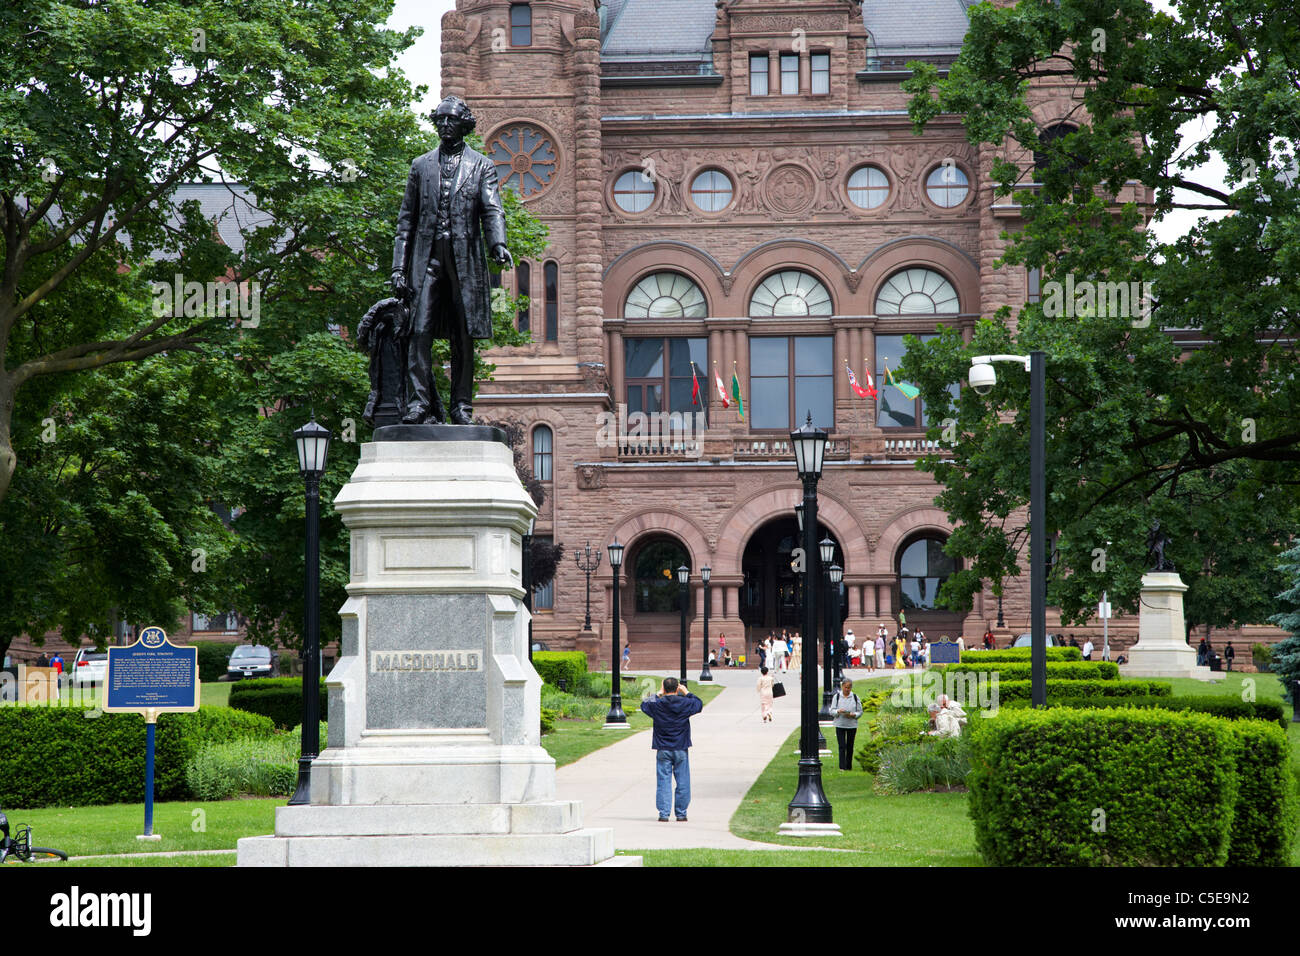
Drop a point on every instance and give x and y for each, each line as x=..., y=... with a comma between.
x=1048, y=141
x=790, y=293
x=922, y=568
x=543, y=441
x=916, y=291
x=665, y=295
x=654, y=575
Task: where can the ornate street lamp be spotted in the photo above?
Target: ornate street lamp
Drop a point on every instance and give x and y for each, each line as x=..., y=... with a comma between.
x=809, y=805
x=313, y=442
x=683, y=579
x=616, y=719
x=588, y=561
x=826, y=551
x=705, y=573
x=982, y=379
x=527, y=581
x=836, y=574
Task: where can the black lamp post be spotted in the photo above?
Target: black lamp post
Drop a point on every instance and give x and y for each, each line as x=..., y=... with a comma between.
x=826, y=550
x=313, y=442
x=705, y=572
x=526, y=574
x=588, y=561
x=1001, y=623
x=812, y=648
x=836, y=574
x=982, y=379
x=809, y=804
x=616, y=719
x=683, y=579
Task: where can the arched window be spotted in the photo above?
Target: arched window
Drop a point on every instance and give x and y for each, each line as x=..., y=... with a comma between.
x=551, y=273
x=790, y=292
x=916, y=292
x=922, y=568
x=654, y=575
x=634, y=191
x=665, y=295
x=947, y=185
x=542, y=440
x=523, y=286
x=1047, y=138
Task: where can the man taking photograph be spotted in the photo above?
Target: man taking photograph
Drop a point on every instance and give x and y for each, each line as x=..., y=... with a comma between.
x=671, y=710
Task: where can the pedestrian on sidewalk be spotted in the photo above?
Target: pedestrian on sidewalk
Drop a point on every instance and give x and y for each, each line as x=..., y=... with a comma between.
x=847, y=708
x=671, y=710
x=1230, y=654
x=880, y=646
x=627, y=655
x=780, y=652
x=765, y=682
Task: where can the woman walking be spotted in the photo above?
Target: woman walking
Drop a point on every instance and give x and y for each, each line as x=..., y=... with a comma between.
x=765, y=682
x=847, y=708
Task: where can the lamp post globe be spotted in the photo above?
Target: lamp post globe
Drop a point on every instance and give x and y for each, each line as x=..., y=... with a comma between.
x=313, y=445
x=616, y=718
x=705, y=573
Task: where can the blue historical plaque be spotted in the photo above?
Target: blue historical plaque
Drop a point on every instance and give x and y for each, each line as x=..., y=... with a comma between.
x=945, y=651
x=153, y=674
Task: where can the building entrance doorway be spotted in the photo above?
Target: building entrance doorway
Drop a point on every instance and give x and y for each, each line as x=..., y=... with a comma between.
x=771, y=597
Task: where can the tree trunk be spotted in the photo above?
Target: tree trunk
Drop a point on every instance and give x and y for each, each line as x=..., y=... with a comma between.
x=8, y=460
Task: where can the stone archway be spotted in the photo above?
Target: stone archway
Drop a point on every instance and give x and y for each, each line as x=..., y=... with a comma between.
x=746, y=518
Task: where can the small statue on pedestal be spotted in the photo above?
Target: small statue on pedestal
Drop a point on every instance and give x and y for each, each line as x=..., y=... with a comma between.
x=383, y=333
x=1156, y=542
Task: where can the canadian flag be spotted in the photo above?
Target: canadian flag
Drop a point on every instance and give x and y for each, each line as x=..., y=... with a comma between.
x=868, y=392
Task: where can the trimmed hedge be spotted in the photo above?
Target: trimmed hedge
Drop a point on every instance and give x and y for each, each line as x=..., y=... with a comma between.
x=554, y=666
x=279, y=698
x=1021, y=655
x=1130, y=787
x=59, y=756
x=1015, y=690
x=214, y=659
x=1056, y=670
x=1103, y=788
x=1229, y=708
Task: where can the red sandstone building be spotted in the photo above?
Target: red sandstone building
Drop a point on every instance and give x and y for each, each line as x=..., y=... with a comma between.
x=733, y=186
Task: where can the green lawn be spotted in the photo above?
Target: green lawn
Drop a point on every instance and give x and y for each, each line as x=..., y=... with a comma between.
x=203, y=859
x=574, y=739
x=83, y=831
x=735, y=858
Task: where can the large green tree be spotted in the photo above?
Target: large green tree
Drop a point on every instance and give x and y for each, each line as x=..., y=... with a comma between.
x=109, y=107
x=1207, y=441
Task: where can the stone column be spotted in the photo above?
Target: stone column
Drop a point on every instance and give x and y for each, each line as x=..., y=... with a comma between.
x=433, y=754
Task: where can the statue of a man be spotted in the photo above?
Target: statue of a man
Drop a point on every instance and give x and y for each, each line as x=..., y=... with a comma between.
x=452, y=208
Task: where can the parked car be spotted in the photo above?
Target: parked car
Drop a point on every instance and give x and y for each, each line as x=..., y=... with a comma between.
x=90, y=667
x=1025, y=640
x=252, y=660
x=540, y=646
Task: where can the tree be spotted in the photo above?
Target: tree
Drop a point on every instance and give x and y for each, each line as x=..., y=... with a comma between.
x=1286, y=654
x=1206, y=442
x=544, y=556
x=113, y=106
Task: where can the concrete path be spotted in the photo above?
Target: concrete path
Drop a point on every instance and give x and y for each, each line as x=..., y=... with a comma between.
x=731, y=746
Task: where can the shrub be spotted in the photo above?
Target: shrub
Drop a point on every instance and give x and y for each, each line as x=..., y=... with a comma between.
x=548, y=721
x=1264, y=823
x=214, y=658
x=1041, y=781
x=593, y=685
x=1229, y=708
x=1011, y=691
x=926, y=764
x=264, y=767
x=1056, y=670
x=554, y=666
x=1262, y=655
x=571, y=706
x=1021, y=654
x=56, y=756
x=279, y=698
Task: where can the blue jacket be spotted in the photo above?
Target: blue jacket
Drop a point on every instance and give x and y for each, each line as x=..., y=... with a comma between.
x=672, y=716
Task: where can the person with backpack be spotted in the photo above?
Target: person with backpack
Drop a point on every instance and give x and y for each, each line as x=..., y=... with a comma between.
x=847, y=709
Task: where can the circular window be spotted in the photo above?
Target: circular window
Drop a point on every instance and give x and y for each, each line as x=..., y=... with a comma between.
x=525, y=159
x=711, y=190
x=868, y=187
x=790, y=293
x=947, y=186
x=634, y=191
x=916, y=292
x=665, y=295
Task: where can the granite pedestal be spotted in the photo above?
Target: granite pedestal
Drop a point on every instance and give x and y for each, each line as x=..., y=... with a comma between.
x=1162, y=649
x=433, y=756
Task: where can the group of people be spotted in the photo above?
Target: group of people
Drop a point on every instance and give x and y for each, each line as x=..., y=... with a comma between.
x=780, y=652
x=1205, y=653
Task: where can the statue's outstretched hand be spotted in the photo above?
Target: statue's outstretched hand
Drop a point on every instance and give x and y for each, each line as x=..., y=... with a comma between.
x=501, y=256
x=400, y=286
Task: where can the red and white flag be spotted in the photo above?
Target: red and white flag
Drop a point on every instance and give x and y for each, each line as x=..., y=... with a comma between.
x=868, y=392
x=695, y=387
x=722, y=389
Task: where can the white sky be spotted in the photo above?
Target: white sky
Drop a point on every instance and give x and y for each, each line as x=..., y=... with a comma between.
x=421, y=65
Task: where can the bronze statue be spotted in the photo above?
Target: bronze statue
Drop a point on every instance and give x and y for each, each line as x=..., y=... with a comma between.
x=1156, y=542
x=451, y=208
x=380, y=334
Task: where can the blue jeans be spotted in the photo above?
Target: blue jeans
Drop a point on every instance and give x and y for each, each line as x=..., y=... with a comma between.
x=667, y=764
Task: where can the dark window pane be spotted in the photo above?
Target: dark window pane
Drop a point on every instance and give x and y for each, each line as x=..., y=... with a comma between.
x=552, y=273
x=521, y=24
x=643, y=358
x=522, y=285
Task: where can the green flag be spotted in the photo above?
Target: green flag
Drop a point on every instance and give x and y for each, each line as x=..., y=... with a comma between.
x=907, y=388
x=735, y=393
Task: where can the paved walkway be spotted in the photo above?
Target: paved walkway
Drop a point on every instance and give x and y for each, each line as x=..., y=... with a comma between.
x=731, y=747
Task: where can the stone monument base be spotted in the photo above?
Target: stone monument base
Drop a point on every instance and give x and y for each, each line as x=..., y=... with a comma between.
x=1162, y=649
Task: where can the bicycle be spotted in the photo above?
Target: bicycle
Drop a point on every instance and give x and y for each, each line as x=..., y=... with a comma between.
x=20, y=849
